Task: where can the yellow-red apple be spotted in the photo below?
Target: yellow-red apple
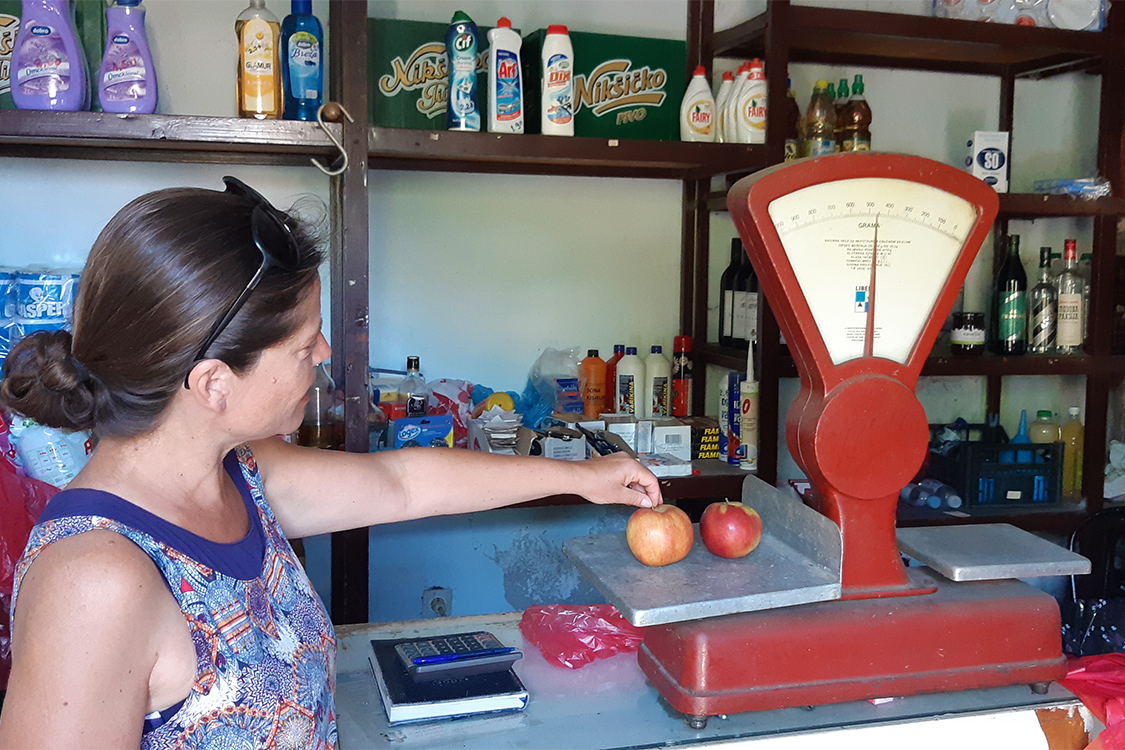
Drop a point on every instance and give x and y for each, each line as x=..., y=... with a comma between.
x=660, y=536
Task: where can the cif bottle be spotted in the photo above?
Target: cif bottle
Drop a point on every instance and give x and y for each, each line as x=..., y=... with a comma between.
x=591, y=384
x=302, y=68
x=557, y=105
x=413, y=390
x=721, y=97
x=127, y=77
x=611, y=378
x=321, y=426
x=1072, y=438
x=726, y=294
x=505, y=79
x=1010, y=302
x=658, y=384
x=259, y=62
x=629, y=381
x=857, y=120
x=461, y=112
x=820, y=122
x=1070, y=286
x=841, y=104
x=48, y=68
x=697, y=112
x=751, y=121
x=1043, y=300
x=792, y=126
x=730, y=109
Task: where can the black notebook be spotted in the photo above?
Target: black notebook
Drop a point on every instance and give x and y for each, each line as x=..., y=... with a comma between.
x=405, y=700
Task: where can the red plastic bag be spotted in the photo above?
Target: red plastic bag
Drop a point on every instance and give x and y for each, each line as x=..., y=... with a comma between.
x=572, y=636
x=22, y=499
x=1099, y=681
x=455, y=398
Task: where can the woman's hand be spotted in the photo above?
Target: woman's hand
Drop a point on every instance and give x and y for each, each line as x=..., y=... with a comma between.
x=616, y=478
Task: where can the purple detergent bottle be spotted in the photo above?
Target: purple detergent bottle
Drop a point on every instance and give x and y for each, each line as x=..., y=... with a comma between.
x=48, y=68
x=127, y=78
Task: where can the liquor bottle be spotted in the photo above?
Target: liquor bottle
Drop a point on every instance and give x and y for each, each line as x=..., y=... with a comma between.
x=841, y=103
x=792, y=126
x=1070, y=286
x=857, y=120
x=1010, y=302
x=726, y=294
x=745, y=315
x=820, y=122
x=1043, y=301
x=413, y=390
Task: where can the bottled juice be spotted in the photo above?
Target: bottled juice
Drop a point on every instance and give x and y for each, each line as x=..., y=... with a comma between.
x=611, y=378
x=841, y=102
x=591, y=384
x=820, y=122
x=259, y=62
x=1044, y=429
x=856, y=130
x=1072, y=437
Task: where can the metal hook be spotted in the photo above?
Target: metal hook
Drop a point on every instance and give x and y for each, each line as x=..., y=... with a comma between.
x=335, y=141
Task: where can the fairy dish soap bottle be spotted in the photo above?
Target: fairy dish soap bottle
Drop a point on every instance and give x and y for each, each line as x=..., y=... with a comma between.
x=461, y=111
x=48, y=65
x=302, y=67
x=127, y=77
x=259, y=63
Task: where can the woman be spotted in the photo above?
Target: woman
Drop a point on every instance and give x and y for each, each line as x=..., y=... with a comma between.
x=158, y=603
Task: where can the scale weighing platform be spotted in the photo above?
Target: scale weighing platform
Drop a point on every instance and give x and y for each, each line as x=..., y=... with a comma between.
x=861, y=256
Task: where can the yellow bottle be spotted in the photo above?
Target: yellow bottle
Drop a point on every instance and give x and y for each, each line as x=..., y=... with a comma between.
x=259, y=62
x=1072, y=437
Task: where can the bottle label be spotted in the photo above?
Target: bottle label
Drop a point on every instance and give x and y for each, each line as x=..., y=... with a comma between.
x=123, y=71
x=792, y=150
x=259, y=92
x=748, y=426
x=728, y=314
x=746, y=316
x=462, y=112
x=1070, y=320
x=44, y=66
x=416, y=405
x=1013, y=317
x=821, y=146
x=660, y=397
x=304, y=66
x=753, y=113
x=857, y=143
x=559, y=90
x=681, y=384
x=509, y=98
x=1042, y=323
x=626, y=395
x=966, y=336
x=699, y=117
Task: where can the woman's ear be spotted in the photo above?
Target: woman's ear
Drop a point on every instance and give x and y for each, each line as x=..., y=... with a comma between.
x=209, y=382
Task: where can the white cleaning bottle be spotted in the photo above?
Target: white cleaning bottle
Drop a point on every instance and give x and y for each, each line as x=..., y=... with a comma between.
x=721, y=97
x=751, y=121
x=658, y=384
x=628, y=387
x=730, y=111
x=557, y=104
x=505, y=82
x=697, y=112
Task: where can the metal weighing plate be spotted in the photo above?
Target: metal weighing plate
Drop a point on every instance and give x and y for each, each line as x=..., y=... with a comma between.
x=988, y=552
x=797, y=562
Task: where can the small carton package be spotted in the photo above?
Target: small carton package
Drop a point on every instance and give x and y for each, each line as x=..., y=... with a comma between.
x=432, y=432
x=988, y=158
x=704, y=436
x=561, y=443
x=672, y=438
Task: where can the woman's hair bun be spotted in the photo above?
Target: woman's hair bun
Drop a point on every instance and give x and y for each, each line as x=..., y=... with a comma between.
x=44, y=381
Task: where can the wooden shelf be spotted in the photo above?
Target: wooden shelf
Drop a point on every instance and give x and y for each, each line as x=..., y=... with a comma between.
x=864, y=38
x=445, y=151
x=1033, y=205
x=165, y=138
x=1057, y=519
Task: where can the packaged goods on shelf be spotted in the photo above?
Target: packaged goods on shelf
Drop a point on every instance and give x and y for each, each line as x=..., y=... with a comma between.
x=561, y=443
x=9, y=27
x=495, y=431
x=1073, y=15
x=988, y=158
x=624, y=86
x=408, y=73
x=426, y=432
x=704, y=436
x=48, y=454
x=665, y=466
x=1087, y=188
x=672, y=437
x=34, y=300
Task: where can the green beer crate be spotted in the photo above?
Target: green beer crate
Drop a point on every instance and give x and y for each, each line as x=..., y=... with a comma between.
x=9, y=27
x=624, y=86
x=408, y=74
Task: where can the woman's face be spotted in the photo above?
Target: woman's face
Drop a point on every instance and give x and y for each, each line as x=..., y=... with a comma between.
x=273, y=392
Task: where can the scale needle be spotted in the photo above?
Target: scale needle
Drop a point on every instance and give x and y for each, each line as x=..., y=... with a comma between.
x=869, y=334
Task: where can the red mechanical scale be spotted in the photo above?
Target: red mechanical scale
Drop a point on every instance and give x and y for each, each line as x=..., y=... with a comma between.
x=861, y=257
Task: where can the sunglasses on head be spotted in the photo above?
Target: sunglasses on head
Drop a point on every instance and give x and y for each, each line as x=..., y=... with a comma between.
x=274, y=239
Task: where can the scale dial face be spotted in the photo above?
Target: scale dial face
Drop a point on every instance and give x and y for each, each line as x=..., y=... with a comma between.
x=829, y=232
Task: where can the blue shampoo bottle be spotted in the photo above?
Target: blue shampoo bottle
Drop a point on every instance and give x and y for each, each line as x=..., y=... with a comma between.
x=302, y=62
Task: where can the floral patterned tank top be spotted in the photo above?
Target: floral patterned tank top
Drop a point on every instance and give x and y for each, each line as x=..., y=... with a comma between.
x=265, y=647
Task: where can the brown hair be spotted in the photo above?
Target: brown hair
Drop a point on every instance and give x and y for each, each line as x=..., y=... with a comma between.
x=158, y=277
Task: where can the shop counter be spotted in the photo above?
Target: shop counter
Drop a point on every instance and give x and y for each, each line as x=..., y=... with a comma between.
x=610, y=704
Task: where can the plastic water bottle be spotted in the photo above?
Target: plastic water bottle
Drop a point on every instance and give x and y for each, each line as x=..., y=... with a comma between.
x=938, y=494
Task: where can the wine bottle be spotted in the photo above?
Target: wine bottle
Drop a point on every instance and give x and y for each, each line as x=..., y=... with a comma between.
x=1011, y=302
x=726, y=294
x=745, y=304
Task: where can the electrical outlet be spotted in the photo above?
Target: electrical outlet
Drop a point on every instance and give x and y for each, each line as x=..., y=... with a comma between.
x=437, y=602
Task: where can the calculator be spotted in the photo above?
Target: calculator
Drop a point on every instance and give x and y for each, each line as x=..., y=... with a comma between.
x=458, y=655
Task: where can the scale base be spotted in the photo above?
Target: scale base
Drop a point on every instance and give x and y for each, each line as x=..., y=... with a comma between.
x=963, y=636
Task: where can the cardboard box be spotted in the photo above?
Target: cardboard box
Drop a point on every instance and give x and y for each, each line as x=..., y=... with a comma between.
x=624, y=86
x=408, y=75
x=666, y=466
x=624, y=426
x=704, y=436
x=988, y=158
x=672, y=438
x=433, y=432
x=560, y=443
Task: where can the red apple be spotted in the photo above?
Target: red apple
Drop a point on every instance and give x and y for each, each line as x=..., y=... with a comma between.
x=730, y=529
x=660, y=535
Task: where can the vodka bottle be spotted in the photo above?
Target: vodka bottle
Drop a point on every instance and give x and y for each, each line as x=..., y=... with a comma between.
x=1071, y=287
x=1043, y=301
x=413, y=390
